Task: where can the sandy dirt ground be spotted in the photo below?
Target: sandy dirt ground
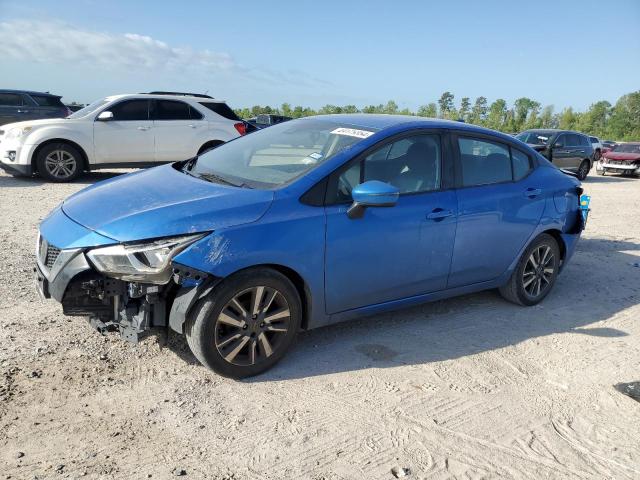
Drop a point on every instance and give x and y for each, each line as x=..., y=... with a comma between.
x=472, y=387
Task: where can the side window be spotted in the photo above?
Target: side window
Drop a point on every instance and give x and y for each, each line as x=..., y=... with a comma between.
x=171, y=110
x=131, y=110
x=573, y=140
x=521, y=164
x=585, y=142
x=561, y=140
x=11, y=99
x=195, y=114
x=412, y=164
x=484, y=162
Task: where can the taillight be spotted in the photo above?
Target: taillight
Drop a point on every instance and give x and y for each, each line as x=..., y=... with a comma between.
x=241, y=128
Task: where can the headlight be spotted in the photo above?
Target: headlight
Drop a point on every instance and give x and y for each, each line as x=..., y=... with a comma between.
x=17, y=132
x=142, y=262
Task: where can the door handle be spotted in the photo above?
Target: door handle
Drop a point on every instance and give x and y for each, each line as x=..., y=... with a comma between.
x=439, y=214
x=532, y=192
x=144, y=129
x=191, y=125
x=23, y=111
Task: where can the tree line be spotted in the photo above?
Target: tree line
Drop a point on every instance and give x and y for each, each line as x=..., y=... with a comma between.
x=617, y=122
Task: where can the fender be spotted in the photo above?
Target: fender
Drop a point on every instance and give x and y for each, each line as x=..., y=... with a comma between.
x=75, y=131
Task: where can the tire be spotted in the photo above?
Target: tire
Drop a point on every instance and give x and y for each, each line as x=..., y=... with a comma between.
x=59, y=162
x=597, y=156
x=583, y=170
x=521, y=288
x=232, y=335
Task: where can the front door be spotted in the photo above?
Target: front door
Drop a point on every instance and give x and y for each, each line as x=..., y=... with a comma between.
x=500, y=203
x=391, y=252
x=128, y=137
x=568, y=152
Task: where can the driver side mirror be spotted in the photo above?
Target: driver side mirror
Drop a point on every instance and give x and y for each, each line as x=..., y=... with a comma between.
x=372, y=194
x=105, y=116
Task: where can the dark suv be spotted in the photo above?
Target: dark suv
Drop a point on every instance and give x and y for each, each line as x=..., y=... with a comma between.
x=564, y=148
x=20, y=105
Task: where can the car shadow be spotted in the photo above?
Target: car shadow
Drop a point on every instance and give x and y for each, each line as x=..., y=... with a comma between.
x=603, y=275
x=609, y=178
x=89, y=178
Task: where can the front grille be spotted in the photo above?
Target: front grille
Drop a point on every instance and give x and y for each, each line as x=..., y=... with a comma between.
x=47, y=253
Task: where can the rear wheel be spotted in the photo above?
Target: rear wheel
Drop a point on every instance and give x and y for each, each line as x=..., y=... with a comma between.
x=583, y=169
x=59, y=162
x=536, y=273
x=246, y=324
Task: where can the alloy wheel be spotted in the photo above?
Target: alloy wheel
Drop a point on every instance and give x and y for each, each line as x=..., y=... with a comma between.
x=538, y=271
x=583, y=171
x=252, y=325
x=60, y=164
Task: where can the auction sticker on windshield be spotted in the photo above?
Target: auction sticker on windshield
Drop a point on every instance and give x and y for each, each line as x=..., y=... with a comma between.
x=352, y=132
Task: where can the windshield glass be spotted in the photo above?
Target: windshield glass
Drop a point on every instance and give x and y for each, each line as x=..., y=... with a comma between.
x=534, y=138
x=627, y=148
x=83, y=112
x=276, y=155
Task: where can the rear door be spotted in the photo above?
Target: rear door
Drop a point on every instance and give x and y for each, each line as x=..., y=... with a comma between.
x=179, y=129
x=47, y=106
x=500, y=203
x=128, y=137
x=13, y=108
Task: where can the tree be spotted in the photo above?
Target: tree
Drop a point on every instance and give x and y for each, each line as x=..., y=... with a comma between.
x=568, y=119
x=391, y=107
x=465, y=109
x=547, y=118
x=497, y=114
x=446, y=104
x=625, y=118
x=479, y=111
x=285, y=109
x=430, y=110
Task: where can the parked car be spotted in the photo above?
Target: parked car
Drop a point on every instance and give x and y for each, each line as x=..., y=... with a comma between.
x=20, y=105
x=608, y=145
x=267, y=120
x=564, y=148
x=135, y=130
x=74, y=107
x=624, y=159
x=244, y=246
x=597, y=148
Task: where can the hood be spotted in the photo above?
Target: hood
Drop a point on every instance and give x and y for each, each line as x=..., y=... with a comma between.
x=162, y=202
x=629, y=157
x=35, y=123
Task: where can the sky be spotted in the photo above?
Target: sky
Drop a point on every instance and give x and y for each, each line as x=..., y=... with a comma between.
x=312, y=53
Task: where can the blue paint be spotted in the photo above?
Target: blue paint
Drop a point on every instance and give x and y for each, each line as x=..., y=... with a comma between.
x=425, y=246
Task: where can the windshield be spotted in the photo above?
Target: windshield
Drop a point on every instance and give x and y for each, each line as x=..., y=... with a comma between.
x=277, y=155
x=627, y=148
x=83, y=112
x=534, y=138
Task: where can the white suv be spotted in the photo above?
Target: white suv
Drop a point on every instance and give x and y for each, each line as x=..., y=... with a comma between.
x=137, y=130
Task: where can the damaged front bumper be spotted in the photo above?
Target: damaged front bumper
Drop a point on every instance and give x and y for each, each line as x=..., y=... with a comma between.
x=131, y=308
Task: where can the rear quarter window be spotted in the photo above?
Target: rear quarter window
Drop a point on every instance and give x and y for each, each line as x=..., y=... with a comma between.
x=47, y=101
x=221, y=109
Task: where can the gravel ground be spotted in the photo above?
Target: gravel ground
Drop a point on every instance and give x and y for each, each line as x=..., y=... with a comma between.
x=471, y=387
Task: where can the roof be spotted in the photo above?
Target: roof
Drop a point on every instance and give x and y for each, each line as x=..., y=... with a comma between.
x=163, y=97
x=29, y=92
x=382, y=121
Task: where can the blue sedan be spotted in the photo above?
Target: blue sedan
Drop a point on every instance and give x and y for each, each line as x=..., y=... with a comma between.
x=308, y=223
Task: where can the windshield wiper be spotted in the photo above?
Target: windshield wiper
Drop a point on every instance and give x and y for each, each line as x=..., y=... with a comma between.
x=212, y=177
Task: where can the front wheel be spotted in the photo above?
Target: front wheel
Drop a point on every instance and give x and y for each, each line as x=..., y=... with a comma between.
x=59, y=162
x=536, y=273
x=246, y=324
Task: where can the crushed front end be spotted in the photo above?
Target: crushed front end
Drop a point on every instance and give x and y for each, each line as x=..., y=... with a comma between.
x=118, y=287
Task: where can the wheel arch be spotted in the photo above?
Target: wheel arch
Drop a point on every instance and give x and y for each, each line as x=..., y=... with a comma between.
x=36, y=152
x=556, y=234
x=208, y=145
